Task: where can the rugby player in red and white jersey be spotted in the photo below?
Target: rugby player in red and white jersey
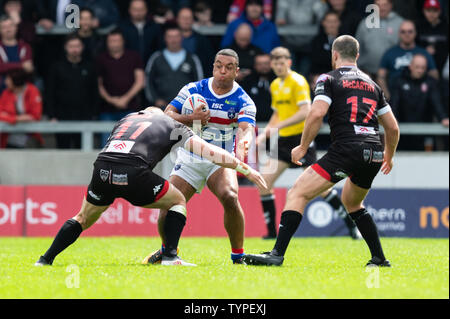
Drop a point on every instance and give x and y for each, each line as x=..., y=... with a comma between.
x=231, y=116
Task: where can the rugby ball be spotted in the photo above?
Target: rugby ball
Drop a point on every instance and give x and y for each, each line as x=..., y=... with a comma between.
x=192, y=102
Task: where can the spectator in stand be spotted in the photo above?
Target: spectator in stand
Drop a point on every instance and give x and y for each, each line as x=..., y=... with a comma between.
x=120, y=79
x=21, y=102
x=52, y=12
x=13, y=53
x=25, y=28
x=257, y=86
x=321, y=46
x=220, y=10
x=29, y=9
x=72, y=92
x=445, y=84
x=169, y=70
x=194, y=42
x=433, y=33
x=141, y=33
x=265, y=35
x=238, y=7
x=399, y=57
x=245, y=50
x=416, y=99
x=374, y=42
x=92, y=41
x=105, y=11
x=301, y=14
x=203, y=14
x=350, y=19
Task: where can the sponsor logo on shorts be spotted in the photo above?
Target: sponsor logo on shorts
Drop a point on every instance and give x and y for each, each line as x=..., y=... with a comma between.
x=177, y=167
x=104, y=174
x=94, y=196
x=378, y=157
x=120, y=179
x=156, y=189
x=341, y=174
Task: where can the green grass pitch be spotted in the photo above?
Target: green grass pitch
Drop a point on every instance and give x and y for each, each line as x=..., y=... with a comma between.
x=313, y=268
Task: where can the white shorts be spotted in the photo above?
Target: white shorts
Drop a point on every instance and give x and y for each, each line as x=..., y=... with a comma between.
x=195, y=172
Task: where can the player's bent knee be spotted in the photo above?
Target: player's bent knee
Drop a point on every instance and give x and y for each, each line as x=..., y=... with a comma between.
x=229, y=199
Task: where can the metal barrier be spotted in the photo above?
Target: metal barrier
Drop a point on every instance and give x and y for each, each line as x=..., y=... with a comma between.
x=215, y=30
x=88, y=129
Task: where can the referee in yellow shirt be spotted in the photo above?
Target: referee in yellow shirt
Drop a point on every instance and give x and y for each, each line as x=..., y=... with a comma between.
x=291, y=102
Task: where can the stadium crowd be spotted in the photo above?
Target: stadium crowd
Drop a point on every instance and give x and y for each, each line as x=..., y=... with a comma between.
x=129, y=54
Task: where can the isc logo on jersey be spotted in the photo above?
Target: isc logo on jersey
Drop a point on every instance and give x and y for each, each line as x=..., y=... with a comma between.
x=192, y=102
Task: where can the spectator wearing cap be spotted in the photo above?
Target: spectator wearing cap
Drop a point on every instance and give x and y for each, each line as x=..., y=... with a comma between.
x=21, y=102
x=433, y=33
x=416, y=99
x=13, y=53
x=245, y=50
x=265, y=34
x=374, y=42
x=194, y=42
x=141, y=33
x=169, y=70
x=349, y=18
x=72, y=93
x=399, y=57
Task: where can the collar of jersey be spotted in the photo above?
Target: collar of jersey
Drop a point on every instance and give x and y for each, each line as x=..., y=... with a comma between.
x=234, y=89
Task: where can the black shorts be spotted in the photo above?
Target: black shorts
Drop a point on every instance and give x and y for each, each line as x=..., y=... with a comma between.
x=138, y=185
x=359, y=161
x=285, y=147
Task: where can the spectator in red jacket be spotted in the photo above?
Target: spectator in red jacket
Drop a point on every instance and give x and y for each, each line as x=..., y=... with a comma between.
x=20, y=102
x=13, y=53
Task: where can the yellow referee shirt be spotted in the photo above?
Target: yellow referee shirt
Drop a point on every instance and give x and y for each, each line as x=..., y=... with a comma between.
x=287, y=98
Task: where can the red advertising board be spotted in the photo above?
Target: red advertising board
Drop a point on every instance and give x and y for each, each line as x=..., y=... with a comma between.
x=45, y=208
x=12, y=210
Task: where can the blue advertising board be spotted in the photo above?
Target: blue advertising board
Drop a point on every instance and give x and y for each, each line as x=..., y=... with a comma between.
x=413, y=213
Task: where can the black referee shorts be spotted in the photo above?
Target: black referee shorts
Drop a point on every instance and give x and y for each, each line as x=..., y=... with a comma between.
x=285, y=147
x=359, y=161
x=138, y=185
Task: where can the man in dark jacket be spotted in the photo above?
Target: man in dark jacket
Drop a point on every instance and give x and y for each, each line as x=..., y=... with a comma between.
x=71, y=92
x=141, y=34
x=169, y=70
x=416, y=99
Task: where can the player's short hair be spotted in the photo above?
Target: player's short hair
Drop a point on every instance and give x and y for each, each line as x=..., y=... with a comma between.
x=347, y=47
x=228, y=52
x=280, y=53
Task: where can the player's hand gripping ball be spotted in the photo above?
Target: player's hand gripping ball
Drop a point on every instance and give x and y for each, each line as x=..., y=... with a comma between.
x=196, y=106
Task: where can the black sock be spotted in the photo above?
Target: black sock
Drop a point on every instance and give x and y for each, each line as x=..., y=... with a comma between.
x=67, y=235
x=290, y=220
x=335, y=202
x=369, y=232
x=173, y=226
x=268, y=204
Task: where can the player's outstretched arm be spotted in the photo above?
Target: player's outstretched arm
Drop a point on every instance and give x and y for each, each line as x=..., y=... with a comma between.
x=224, y=159
x=391, y=138
x=198, y=115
